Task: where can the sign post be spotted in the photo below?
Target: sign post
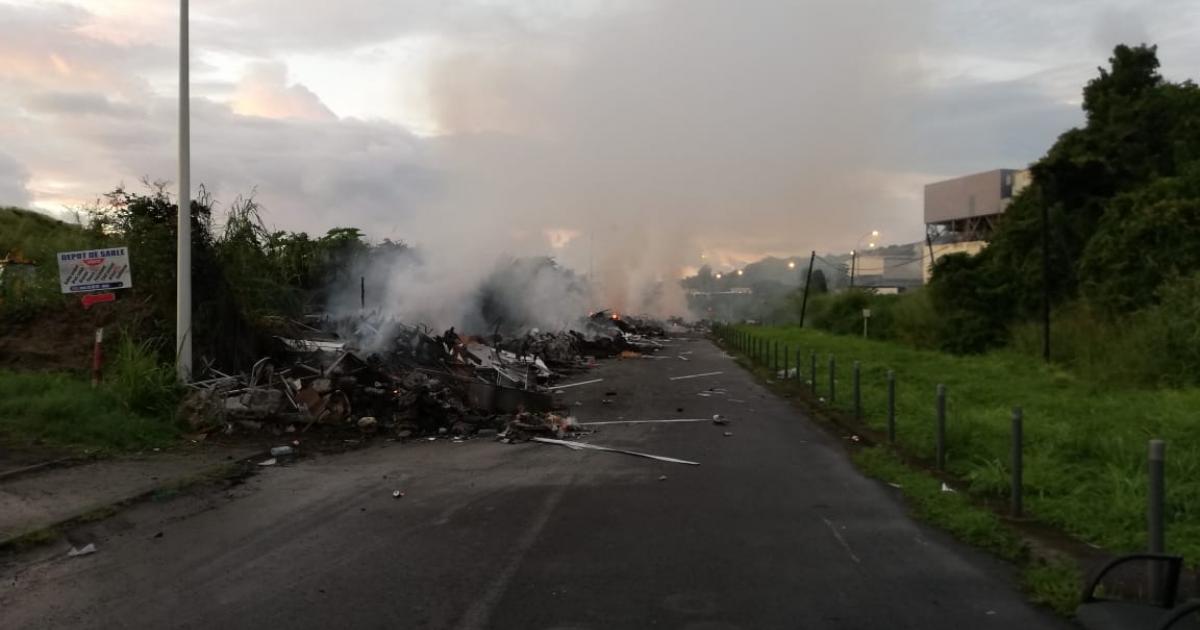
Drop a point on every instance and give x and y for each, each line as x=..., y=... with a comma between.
x=866, y=318
x=94, y=270
x=94, y=274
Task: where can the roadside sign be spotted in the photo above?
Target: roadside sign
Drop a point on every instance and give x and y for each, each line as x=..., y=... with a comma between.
x=97, y=298
x=866, y=312
x=94, y=270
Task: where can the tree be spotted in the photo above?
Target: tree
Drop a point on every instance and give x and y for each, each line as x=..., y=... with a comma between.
x=1105, y=190
x=819, y=285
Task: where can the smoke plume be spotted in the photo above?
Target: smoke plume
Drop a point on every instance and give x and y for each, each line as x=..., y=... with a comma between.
x=629, y=143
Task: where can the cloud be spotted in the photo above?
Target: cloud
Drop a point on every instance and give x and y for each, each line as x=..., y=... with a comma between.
x=13, y=179
x=654, y=130
x=77, y=104
x=263, y=91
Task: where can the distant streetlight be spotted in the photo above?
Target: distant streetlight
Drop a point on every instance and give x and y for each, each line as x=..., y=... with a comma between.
x=791, y=264
x=718, y=276
x=739, y=272
x=854, y=255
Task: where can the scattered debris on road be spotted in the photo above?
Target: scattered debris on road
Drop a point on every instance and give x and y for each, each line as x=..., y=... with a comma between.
x=89, y=548
x=594, y=447
x=663, y=421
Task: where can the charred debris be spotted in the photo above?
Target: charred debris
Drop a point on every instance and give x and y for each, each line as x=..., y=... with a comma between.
x=373, y=376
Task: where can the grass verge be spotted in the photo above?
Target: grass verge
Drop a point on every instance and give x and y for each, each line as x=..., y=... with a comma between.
x=1052, y=582
x=64, y=410
x=1085, y=444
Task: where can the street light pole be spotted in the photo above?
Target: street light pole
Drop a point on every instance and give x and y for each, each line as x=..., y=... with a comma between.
x=183, y=245
x=854, y=252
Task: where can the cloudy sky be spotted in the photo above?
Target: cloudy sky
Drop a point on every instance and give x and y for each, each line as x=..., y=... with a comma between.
x=616, y=134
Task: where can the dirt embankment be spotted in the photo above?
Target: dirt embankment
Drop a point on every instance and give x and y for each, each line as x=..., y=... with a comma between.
x=61, y=339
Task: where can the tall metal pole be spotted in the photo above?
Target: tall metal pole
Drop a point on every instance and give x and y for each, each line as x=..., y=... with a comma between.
x=853, y=259
x=183, y=247
x=812, y=258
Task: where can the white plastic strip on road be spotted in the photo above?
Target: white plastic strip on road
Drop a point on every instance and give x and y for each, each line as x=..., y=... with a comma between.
x=575, y=446
x=596, y=424
x=680, y=378
x=595, y=380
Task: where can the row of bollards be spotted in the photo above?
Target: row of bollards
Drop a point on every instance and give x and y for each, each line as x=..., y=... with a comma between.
x=761, y=351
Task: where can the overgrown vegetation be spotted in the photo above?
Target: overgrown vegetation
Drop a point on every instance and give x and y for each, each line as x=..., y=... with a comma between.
x=241, y=272
x=1085, y=443
x=1122, y=197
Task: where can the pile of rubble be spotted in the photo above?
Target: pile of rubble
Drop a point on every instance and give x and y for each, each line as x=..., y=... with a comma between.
x=370, y=376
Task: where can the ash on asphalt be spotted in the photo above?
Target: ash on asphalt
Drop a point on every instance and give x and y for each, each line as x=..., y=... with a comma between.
x=775, y=528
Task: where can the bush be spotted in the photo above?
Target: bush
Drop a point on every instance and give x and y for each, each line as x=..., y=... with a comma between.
x=142, y=383
x=970, y=296
x=1105, y=351
x=915, y=322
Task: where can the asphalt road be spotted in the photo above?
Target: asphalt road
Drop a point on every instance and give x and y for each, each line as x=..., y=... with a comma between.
x=774, y=529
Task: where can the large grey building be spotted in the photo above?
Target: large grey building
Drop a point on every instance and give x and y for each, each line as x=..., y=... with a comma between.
x=967, y=207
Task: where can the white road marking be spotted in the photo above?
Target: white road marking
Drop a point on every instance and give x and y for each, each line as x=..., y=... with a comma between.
x=680, y=378
x=479, y=615
x=596, y=424
x=595, y=380
x=841, y=540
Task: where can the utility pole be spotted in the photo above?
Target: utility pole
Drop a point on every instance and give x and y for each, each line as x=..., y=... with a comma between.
x=853, y=260
x=183, y=245
x=807, y=282
x=1045, y=283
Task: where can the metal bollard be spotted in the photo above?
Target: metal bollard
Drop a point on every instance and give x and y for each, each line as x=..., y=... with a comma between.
x=832, y=379
x=941, y=427
x=774, y=358
x=1018, y=463
x=1157, y=493
x=891, y=406
x=857, y=391
x=1156, y=496
x=798, y=373
x=785, y=362
x=813, y=371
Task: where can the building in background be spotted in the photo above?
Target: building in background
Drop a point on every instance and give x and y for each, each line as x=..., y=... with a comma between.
x=961, y=213
x=890, y=269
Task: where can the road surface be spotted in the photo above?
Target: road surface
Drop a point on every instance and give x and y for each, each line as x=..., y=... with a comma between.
x=775, y=529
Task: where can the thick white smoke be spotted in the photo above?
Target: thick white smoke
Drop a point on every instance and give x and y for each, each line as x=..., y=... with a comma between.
x=655, y=132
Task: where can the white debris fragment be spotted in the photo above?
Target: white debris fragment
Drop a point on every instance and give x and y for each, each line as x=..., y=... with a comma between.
x=267, y=462
x=946, y=488
x=82, y=551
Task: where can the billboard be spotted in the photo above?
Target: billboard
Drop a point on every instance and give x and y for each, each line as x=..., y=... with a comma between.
x=94, y=270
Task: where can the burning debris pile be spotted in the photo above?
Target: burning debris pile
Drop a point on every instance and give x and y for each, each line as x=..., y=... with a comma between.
x=371, y=376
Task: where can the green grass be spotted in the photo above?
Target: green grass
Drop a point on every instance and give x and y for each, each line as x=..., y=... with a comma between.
x=1053, y=583
x=64, y=410
x=1085, y=444
x=950, y=511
